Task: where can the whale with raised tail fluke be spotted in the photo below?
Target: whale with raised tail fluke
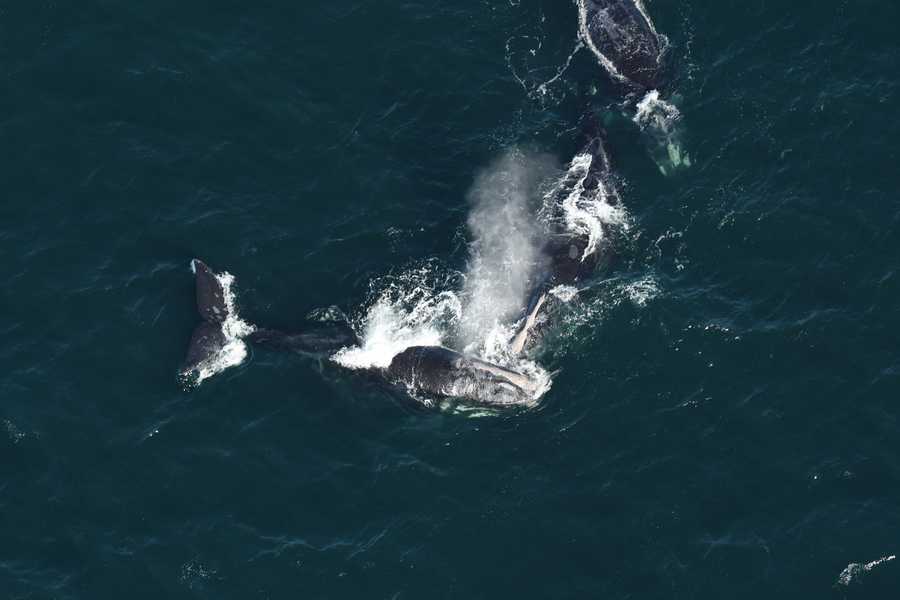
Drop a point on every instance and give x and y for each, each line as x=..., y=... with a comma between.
x=431, y=370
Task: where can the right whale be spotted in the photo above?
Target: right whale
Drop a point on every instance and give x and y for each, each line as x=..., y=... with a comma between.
x=431, y=370
x=572, y=252
x=622, y=36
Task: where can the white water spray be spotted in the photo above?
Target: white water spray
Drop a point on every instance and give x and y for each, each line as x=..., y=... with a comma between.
x=409, y=312
x=505, y=248
x=587, y=214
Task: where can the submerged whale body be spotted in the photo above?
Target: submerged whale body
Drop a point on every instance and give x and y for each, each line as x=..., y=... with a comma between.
x=622, y=36
x=431, y=370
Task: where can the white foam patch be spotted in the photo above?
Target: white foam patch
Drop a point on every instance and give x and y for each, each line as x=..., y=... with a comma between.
x=855, y=570
x=652, y=108
x=643, y=9
x=14, y=433
x=660, y=119
x=408, y=313
x=234, y=352
x=565, y=293
x=589, y=213
x=585, y=34
x=642, y=291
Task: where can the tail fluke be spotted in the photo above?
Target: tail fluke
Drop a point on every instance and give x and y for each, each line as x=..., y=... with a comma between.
x=217, y=342
x=207, y=342
x=211, y=302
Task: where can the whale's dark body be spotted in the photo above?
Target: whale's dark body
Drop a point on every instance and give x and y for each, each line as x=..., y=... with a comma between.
x=621, y=35
x=568, y=257
x=430, y=370
x=443, y=372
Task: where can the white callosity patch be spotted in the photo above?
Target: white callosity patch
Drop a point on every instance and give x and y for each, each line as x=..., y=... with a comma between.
x=854, y=570
x=234, y=330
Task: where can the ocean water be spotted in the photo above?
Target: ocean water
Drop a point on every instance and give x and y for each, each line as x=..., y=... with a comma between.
x=723, y=415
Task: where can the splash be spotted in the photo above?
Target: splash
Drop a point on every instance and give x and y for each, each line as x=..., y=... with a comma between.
x=565, y=293
x=423, y=307
x=583, y=212
x=660, y=120
x=14, y=433
x=854, y=570
x=506, y=244
x=408, y=313
x=585, y=34
x=234, y=350
x=642, y=291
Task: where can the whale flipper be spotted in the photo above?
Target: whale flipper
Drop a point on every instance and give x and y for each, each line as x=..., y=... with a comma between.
x=210, y=293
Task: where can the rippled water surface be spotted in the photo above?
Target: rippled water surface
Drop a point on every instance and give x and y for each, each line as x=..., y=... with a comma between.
x=723, y=418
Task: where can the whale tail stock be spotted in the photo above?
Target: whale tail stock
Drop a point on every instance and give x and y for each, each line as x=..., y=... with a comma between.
x=319, y=338
x=220, y=326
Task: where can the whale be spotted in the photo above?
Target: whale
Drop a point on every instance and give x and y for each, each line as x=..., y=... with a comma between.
x=445, y=373
x=569, y=255
x=434, y=372
x=624, y=40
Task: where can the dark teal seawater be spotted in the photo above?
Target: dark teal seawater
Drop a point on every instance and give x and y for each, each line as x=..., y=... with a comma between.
x=735, y=437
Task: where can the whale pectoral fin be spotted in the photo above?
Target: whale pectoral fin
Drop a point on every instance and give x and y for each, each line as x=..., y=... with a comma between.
x=207, y=342
x=210, y=293
x=521, y=339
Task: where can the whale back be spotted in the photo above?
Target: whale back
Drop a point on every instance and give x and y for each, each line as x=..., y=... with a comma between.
x=441, y=372
x=318, y=338
x=621, y=35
